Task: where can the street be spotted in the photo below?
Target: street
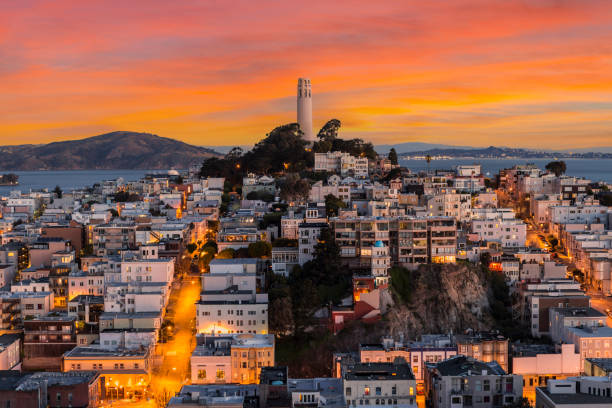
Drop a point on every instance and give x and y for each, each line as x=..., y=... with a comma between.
x=174, y=371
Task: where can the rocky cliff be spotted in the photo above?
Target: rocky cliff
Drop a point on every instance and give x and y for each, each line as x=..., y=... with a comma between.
x=444, y=298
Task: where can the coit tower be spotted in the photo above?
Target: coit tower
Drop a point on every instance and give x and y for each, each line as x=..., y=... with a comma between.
x=304, y=108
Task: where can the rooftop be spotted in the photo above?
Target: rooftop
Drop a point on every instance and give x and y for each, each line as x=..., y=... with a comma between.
x=603, y=363
x=379, y=371
x=237, y=261
x=467, y=366
x=576, y=399
x=96, y=352
x=591, y=331
x=578, y=311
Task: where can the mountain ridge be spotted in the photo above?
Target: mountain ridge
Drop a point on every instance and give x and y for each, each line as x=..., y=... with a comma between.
x=114, y=150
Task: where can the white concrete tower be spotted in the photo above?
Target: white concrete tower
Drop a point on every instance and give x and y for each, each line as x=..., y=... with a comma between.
x=304, y=109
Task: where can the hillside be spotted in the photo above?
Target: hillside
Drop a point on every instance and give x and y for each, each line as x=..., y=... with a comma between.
x=116, y=150
x=493, y=152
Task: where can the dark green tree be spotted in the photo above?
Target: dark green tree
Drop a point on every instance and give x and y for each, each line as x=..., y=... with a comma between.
x=393, y=156
x=58, y=191
x=281, y=316
x=260, y=249
x=333, y=205
x=294, y=188
x=556, y=167
x=227, y=253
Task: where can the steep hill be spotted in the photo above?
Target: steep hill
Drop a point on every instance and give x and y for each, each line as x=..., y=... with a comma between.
x=116, y=150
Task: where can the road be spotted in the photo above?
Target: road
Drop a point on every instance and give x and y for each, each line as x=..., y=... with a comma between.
x=174, y=371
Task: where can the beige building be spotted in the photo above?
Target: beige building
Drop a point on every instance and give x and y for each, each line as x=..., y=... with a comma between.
x=485, y=347
x=125, y=372
x=229, y=359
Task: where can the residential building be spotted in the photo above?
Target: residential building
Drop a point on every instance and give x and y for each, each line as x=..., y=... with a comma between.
x=216, y=396
x=10, y=351
x=236, y=358
x=124, y=373
x=575, y=392
x=462, y=381
x=49, y=389
x=484, y=346
x=342, y=163
x=368, y=384
x=537, y=368
x=564, y=317
x=46, y=339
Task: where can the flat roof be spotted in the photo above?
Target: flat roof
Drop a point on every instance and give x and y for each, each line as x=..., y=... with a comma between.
x=589, y=332
x=237, y=261
x=574, y=399
x=378, y=371
x=578, y=311
x=603, y=363
x=97, y=352
x=464, y=366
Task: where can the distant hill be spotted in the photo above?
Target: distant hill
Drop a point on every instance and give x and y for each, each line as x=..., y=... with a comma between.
x=116, y=150
x=432, y=148
x=493, y=152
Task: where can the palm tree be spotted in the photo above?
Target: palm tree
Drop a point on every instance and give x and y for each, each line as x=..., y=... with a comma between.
x=428, y=160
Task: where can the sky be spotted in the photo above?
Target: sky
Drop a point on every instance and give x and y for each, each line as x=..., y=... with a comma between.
x=521, y=73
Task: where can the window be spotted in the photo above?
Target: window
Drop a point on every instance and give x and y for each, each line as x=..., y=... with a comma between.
x=394, y=390
x=366, y=391
x=348, y=391
x=378, y=391
x=220, y=374
x=201, y=374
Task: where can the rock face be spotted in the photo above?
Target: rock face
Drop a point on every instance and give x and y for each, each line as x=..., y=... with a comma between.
x=444, y=298
x=116, y=150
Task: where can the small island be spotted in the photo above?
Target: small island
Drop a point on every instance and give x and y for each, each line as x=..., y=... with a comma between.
x=10, y=179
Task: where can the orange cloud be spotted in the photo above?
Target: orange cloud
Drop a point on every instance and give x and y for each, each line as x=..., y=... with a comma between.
x=533, y=73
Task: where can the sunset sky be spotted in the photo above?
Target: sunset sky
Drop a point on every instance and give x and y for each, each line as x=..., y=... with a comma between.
x=526, y=73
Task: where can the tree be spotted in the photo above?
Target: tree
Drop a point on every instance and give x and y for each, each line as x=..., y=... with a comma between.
x=428, y=160
x=260, y=249
x=402, y=282
x=333, y=205
x=556, y=167
x=58, y=191
x=191, y=247
x=210, y=246
x=485, y=259
x=294, y=188
x=519, y=403
x=393, y=156
x=227, y=253
x=281, y=316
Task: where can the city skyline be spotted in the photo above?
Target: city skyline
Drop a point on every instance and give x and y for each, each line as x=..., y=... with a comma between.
x=529, y=74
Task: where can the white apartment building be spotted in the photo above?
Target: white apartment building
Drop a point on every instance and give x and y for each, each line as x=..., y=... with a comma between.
x=509, y=233
x=449, y=203
x=343, y=163
x=318, y=192
x=136, y=297
x=81, y=283
x=371, y=385
x=309, y=233
x=579, y=214
x=229, y=303
x=128, y=339
x=284, y=259
x=591, y=342
x=563, y=317
x=148, y=270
